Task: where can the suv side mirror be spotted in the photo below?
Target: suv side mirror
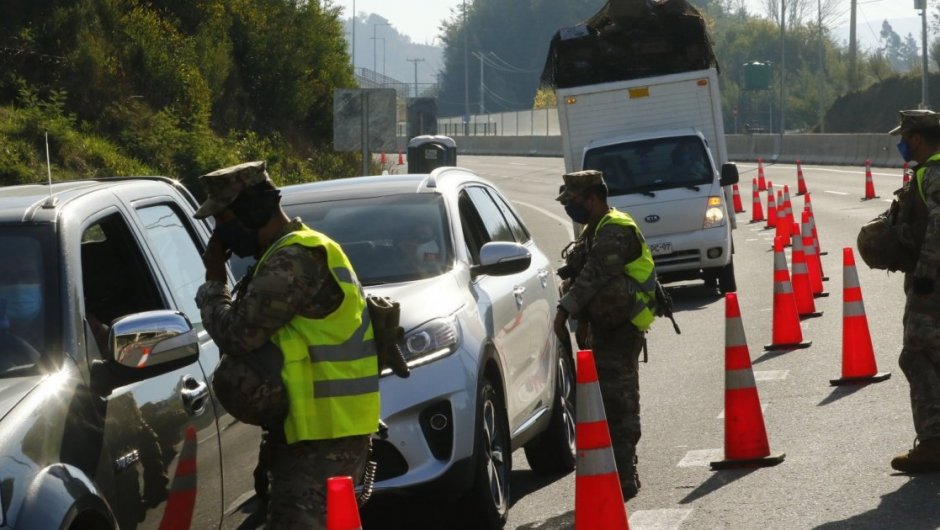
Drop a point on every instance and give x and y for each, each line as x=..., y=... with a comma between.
x=500, y=258
x=729, y=174
x=145, y=345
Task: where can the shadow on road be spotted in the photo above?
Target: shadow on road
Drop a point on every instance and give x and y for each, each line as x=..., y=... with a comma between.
x=913, y=506
x=772, y=354
x=717, y=481
x=692, y=296
x=840, y=392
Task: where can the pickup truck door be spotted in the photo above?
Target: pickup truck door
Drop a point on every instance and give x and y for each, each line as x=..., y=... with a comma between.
x=178, y=244
x=161, y=466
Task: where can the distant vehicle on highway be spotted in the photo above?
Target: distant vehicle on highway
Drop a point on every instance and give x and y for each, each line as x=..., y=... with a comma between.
x=478, y=299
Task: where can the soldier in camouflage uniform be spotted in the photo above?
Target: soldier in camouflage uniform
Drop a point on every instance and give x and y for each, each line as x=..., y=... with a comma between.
x=601, y=296
x=291, y=286
x=920, y=355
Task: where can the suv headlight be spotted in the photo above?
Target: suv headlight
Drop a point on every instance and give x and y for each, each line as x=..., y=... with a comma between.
x=432, y=340
x=714, y=214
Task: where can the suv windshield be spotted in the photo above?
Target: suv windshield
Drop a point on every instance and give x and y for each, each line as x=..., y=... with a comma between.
x=650, y=165
x=26, y=277
x=395, y=238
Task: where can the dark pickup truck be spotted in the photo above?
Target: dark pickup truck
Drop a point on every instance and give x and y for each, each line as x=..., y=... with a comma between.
x=106, y=415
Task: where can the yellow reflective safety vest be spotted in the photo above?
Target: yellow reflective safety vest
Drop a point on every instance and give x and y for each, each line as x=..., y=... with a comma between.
x=331, y=371
x=641, y=271
x=919, y=176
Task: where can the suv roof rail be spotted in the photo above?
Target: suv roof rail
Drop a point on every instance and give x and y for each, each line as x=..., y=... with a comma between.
x=177, y=184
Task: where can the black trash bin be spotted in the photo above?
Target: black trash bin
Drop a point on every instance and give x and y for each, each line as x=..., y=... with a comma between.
x=425, y=153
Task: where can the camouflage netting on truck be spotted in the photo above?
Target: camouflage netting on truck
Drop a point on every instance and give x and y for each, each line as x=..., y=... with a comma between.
x=629, y=39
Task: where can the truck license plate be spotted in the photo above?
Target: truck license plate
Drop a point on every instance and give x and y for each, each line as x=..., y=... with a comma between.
x=660, y=249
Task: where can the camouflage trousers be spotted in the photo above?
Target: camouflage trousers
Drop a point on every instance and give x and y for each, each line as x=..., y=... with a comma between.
x=616, y=354
x=920, y=362
x=299, y=472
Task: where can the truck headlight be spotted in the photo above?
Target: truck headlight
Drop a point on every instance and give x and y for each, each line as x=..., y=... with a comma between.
x=714, y=213
x=432, y=340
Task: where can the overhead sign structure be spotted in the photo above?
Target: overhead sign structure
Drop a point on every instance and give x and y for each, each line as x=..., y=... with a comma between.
x=364, y=119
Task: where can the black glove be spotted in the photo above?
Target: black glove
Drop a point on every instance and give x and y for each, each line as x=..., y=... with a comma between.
x=922, y=285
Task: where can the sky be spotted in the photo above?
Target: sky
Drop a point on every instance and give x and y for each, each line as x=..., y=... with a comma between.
x=420, y=19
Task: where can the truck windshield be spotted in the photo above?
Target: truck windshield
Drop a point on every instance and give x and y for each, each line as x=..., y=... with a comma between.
x=26, y=299
x=650, y=165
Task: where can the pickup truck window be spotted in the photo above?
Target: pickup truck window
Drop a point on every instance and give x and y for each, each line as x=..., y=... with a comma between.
x=179, y=258
x=115, y=278
x=649, y=165
x=23, y=301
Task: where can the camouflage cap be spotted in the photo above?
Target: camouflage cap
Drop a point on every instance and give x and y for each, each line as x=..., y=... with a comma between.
x=916, y=120
x=222, y=186
x=578, y=183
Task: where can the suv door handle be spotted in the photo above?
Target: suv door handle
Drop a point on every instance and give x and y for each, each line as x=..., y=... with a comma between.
x=543, y=278
x=195, y=395
x=519, y=293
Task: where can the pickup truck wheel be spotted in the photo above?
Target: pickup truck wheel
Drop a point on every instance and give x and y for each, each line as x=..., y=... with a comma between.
x=726, y=280
x=489, y=495
x=553, y=451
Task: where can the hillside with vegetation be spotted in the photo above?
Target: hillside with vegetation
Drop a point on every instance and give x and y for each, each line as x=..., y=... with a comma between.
x=170, y=87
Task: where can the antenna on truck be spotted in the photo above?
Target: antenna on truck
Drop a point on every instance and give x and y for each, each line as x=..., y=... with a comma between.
x=51, y=201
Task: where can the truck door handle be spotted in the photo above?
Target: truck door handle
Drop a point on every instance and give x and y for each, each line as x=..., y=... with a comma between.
x=519, y=293
x=195, y=395
x=543, y=278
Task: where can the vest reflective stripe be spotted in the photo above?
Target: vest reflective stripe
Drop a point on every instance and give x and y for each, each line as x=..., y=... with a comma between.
x=919, y=177
x=642, y=270
x=330, y=365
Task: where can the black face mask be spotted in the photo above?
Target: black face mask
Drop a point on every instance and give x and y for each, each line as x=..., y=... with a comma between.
x=578, y=212
x=234, y=236
x=255, y=207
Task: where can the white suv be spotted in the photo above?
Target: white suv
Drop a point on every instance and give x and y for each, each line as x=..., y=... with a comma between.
x=478, y=299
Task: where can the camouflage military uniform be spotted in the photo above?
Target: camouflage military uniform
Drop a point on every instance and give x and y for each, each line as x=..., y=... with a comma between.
x=920, y=356
x=601, y=297
x=293, y=280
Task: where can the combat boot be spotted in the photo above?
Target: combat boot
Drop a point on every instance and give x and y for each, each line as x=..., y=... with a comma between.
x=631, y=485
x=923, y=458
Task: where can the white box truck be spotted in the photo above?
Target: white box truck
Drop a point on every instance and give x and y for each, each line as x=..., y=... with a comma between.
x=660, y=143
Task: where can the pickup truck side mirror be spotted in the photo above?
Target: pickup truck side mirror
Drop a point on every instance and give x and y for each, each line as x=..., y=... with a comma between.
x=729, y=174
x=501, y=258
x=145, y=345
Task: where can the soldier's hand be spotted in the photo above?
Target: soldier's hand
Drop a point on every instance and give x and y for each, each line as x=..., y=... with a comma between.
x=214, y=259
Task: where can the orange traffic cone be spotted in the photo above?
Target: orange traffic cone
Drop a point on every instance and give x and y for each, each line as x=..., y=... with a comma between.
x=342, y=512
x=787, y=205
x=760, y=175
x=787, y=333
x=819, y=251
x=745, y=435
x=598, y=499
x=869, y=183
x=757, y=211
x=802, y=291
x=813, y=265
x=382, y=158
x=736, y=199
x=800, y=182
x=771, y=209
x=181, y=499
x=858, y=356
x=783, y=226
x=401, y=159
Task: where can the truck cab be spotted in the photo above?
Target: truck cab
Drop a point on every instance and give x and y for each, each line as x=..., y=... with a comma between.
x=669, y=183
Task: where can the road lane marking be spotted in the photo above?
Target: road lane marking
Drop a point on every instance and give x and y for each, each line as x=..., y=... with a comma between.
x=763, y=406
x=564, y=222
x=836, y=192
x=770, y=375
x=701, y=457
x=664, y=519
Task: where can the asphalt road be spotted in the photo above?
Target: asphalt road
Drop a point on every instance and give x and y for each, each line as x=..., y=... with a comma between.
x=838, y=440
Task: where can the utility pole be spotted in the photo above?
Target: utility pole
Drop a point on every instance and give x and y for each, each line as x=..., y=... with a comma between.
x=466, y=72
x=822, y=79
x=783, y=69
x=482, y=85
x=853, y=50
x=375, y=62
x=354, y=37
x=924, y=100
x=416, y=61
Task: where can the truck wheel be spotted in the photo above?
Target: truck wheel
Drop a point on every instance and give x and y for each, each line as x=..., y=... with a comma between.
x=553, y=451
x=489, y=496
x=726, y=281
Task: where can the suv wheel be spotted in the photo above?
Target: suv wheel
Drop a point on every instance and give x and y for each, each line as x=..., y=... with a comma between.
x=553, y=451
x=726, y=281
x=489, y=495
